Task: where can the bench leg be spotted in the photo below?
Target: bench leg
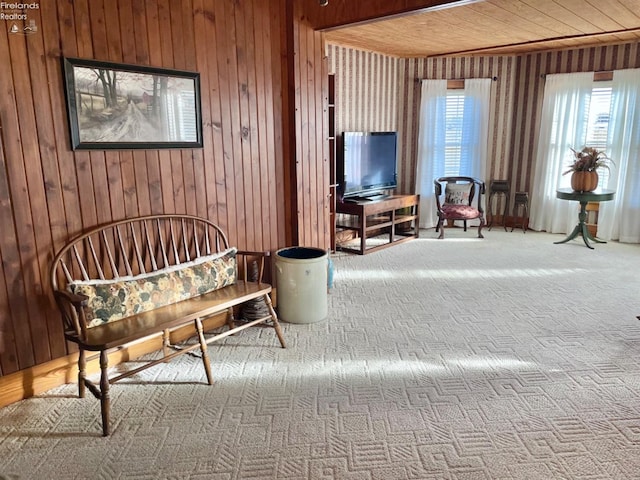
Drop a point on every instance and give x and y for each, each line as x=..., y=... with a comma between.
x=82, y=372
x=166, y=342
x=203, y=349
x=231, y=319
x=104, y=392
x=274, y=318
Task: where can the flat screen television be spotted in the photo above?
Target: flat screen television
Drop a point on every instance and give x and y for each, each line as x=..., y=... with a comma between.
x=368, y=163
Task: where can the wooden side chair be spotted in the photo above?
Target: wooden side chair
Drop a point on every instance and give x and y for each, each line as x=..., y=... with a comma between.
x=457, y=204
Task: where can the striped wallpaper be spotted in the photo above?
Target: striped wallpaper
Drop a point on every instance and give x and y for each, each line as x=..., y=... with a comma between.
x=378, y=92
x=366, y=85
x=530, y=72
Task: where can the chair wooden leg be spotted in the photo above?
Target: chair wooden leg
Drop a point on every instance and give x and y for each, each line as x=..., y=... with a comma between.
x=105, y=402
x=480, y=227
x=203, y=349
x=82, y=372
x=440, y=226
x=274, y=319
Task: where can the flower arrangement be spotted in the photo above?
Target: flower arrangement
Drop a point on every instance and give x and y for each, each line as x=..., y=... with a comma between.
x=589, y=159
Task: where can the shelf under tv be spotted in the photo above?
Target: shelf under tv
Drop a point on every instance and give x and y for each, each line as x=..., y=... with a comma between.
x=369, y=197
x=395, y=216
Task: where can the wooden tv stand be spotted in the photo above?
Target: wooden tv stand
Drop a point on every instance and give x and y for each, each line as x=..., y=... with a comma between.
x=384, y=215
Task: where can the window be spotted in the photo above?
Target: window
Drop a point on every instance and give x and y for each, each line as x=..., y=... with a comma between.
x=598, y=123
x=454, y=125
x=462, y=136
x=581, y=109
x=454, y=112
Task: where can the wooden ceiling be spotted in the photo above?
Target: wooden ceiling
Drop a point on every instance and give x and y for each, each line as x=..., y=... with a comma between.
x=495, y=27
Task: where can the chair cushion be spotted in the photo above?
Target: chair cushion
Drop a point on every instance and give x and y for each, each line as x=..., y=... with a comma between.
x=111, y=300
x=460, y=212
x=457, y=193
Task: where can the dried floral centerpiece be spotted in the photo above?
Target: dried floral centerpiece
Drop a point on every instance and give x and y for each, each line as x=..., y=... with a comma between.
x=584, y=174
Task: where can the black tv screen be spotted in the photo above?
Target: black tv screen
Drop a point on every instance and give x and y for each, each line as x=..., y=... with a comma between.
x=368, y=161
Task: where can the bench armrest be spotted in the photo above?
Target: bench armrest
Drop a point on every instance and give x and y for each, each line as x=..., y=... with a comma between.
x=252, y=265
x=79, y=300
x=72, y=311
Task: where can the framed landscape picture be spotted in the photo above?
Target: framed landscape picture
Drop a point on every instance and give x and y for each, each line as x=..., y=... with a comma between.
x=119, y=106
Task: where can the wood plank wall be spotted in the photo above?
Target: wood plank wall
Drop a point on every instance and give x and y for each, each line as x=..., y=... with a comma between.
x=516, y=98
x=49, y=193
x=310, y=129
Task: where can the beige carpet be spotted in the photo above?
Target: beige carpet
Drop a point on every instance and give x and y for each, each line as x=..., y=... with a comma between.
x=503, y=358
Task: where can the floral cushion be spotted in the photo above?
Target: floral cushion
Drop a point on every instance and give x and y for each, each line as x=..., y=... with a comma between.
x=457, y=193
x=460, y=212
x=111, y=300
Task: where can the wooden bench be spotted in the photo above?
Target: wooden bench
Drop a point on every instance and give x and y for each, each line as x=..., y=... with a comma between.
x=134, y=278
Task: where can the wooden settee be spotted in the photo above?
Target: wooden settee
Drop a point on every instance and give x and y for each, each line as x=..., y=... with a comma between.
x=130, y=279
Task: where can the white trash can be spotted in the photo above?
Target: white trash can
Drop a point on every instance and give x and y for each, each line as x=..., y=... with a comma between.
x=301, y=280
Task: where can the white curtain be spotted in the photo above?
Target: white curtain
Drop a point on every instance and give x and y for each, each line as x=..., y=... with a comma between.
x=431, y=145
x=563, y=126
x=619, y=219
x=477, y=97
x=431, y=138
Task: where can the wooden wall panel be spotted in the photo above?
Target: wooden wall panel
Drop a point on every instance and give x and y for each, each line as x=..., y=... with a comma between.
x=49, y=193
x=311, y=189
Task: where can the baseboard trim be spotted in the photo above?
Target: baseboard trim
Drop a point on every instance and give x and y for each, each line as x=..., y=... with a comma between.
x=40, y=378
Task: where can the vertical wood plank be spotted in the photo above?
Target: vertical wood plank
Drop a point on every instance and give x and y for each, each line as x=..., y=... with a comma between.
x=10, y=342
x=196, y=156
x=19, y=273
x=243, y=58
x=53, y=40
x=154, y=171
x=299, y=39
x=263, y=174
x=225, y=39
x=166, y=158
x=48, y=215
x=97, y=158
x=235, y=123
x=184, y=162
x=254, y=241
x=280, y=17
x=204, y=28
x=34, y=236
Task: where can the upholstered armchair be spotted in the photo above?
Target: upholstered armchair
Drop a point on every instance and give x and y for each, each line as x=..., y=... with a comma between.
x=457, y=203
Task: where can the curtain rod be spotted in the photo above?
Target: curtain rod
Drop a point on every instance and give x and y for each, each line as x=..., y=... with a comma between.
x=453, y=79
x=599, y=76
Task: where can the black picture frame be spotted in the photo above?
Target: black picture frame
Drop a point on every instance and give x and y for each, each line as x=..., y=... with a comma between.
x=121, y=106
